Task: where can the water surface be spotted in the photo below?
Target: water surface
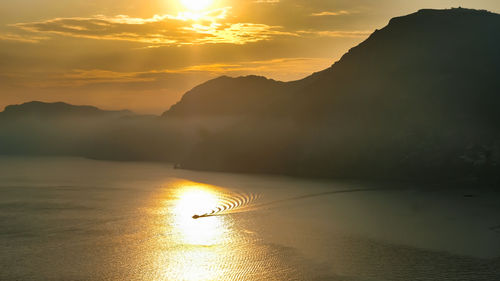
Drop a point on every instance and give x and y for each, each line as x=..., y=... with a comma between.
x=78, y=219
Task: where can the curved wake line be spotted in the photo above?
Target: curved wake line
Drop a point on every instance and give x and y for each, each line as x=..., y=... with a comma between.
x=322, y=194
x=239, y=202
x=230, y=202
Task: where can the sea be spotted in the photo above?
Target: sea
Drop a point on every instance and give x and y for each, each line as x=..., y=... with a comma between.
x=80, y=219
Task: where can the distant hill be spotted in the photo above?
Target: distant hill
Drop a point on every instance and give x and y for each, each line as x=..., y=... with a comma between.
x=58, y=109
x=38, y=128
x=225, y=96
x=418, y=99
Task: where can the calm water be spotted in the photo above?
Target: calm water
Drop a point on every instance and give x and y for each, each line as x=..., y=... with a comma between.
x=77, y=219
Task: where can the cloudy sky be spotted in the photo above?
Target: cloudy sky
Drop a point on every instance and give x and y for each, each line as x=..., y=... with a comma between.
x=144, y=54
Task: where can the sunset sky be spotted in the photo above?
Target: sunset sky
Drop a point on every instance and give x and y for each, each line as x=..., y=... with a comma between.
x=144, y=54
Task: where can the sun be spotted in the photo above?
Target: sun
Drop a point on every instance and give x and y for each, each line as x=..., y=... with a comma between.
x=196, y=5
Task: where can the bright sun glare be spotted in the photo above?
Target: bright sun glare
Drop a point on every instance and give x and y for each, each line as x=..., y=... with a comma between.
x=198, y=200
x=196, y=5
x=203, y=246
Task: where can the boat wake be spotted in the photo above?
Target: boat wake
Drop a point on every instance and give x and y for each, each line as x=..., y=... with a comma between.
x=243, y=202
x=231, y=202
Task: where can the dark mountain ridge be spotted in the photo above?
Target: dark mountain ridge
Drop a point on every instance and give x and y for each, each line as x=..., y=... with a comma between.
x=57, y=109
x=38, y=128
x=233, y=97
x=417, y=99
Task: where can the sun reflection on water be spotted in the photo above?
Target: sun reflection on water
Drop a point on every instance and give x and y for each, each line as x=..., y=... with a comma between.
x=216, y=247
x=198, y=200
x=198, y=249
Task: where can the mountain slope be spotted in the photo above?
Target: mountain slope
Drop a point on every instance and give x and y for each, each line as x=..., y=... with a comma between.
x=418, y=99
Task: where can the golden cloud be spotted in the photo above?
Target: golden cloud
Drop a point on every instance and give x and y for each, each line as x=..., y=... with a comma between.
x=22, y=38
x=281, y=69
x=332, y=33
x=332, y=13
x=184, y=29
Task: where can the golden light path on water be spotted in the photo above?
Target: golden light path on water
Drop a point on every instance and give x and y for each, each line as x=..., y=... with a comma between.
x=207, y=231
x=202, y=246
x=220, y=245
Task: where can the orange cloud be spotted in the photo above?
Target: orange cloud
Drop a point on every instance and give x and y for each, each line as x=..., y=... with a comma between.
x=22, y=38
x=332, y=13
x=332, y=33
x=281, y=69
x=184, y=29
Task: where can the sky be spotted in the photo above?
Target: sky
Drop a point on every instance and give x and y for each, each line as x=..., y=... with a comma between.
x=143, y=55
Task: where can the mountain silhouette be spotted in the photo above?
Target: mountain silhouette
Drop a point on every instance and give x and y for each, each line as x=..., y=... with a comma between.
x=418, y=99
x=38, y=128
x=58, y=109
x=226, y=96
